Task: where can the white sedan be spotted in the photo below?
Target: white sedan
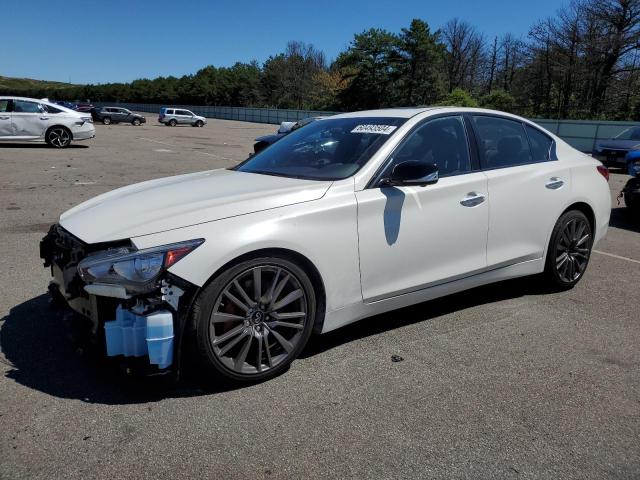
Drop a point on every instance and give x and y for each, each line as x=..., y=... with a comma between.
x=348, y=217
x=27, y=119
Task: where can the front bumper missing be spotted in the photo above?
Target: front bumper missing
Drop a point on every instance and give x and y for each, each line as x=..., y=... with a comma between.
x=144, y=330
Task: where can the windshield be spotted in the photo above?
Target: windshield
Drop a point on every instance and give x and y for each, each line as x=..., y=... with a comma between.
x=632, y=133
x=329, y=149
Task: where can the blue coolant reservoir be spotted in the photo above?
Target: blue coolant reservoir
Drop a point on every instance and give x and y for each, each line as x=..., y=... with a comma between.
x=134, y=335
x=160, y=338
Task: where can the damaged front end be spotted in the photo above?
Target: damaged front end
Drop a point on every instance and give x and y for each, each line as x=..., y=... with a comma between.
x=136, y=308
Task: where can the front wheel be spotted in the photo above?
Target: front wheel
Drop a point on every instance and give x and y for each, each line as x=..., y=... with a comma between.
x=199, y=123
x=58, y=137
x=569, y=250
x=135, y=122
x=172, y=122
x=254, y=319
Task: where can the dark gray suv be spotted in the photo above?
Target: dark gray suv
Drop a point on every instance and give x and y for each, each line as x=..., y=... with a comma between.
x=109, y=115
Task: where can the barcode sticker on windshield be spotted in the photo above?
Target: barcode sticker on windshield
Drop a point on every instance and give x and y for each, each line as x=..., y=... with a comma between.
x=372, y=128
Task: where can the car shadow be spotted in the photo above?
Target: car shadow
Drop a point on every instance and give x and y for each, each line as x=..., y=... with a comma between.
x=37, y=145
x=42, y=352
x=424, y=312
x=625, y=219
x=45, y=353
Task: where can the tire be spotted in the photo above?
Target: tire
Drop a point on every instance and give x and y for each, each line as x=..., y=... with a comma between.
x=632, y=202
x=172, y=122
x=135, y=122
x=241, y=340
x=58, y=137
x=569, y=250
x=199, y=123
x=106, y=120
x=631, y=199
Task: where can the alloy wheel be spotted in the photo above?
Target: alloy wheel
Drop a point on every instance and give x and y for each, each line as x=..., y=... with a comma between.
x=59, y=137
x=258, y=320
x=573, y=249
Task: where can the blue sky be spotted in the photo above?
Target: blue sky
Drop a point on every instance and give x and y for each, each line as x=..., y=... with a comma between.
x=96, y=41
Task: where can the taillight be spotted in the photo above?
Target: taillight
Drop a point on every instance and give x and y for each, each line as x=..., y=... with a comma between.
x=604, y=171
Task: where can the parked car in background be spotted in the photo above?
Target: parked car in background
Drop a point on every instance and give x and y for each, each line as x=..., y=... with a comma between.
x=83, y=107
x=109, y=115
x=631, y=191
x=180, y=116
x=65, y=104
x=284, y=129
x=349, y=217
x=29, y=119
x=613, y=152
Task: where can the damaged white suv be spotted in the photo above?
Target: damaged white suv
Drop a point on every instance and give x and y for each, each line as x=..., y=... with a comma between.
x=351, y=216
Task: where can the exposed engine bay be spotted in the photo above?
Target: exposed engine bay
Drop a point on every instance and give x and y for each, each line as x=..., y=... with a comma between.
x=141, y=322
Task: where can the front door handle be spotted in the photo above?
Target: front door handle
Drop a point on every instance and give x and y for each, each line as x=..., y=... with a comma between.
x=554, y=183
x=472, y=199
x=44, y=118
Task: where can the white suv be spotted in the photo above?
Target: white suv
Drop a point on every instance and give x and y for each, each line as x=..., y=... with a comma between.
x=175, y=116
x=28, y=119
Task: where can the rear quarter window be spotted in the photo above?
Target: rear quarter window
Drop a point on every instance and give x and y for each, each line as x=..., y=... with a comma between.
x=540, y=144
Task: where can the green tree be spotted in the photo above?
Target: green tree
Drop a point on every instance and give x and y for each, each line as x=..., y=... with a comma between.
x=459, y=98
x=498, y=100
x=421, y=69
x=370, y=68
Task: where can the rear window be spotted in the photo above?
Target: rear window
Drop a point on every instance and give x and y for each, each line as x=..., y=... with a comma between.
x=23, y=106
x=503, y=143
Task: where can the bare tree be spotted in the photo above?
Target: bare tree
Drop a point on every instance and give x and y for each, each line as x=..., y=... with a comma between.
x=464, y=53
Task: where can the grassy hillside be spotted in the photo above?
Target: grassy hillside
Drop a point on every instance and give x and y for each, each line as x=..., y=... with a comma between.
x=21, y=84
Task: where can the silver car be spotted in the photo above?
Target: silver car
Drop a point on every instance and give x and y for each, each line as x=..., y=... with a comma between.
x=175, y=116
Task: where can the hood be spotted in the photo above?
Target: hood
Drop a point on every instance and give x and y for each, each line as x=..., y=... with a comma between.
x=175, y=202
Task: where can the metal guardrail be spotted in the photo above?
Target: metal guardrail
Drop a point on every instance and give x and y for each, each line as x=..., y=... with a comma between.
x=581, y=134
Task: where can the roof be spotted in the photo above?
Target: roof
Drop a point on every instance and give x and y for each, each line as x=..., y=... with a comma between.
x=400, y=112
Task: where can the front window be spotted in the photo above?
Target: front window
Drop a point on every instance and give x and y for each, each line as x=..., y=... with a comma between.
x=632, y=133
x=441, y=141
x=329, y=149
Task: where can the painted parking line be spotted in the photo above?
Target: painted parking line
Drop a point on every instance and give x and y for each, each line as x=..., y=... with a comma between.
x=619, y=257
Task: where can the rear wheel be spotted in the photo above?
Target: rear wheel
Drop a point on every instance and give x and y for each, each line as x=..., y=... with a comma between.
x=254, y=319
x=106, y=120
x=58, y=137
x=569, y=249
x=172, y=122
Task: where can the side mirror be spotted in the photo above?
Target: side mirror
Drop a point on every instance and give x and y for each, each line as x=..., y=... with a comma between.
x=412, y=173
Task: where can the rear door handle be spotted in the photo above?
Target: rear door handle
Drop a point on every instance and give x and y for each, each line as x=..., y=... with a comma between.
x=5, y=118
x=472, y=199
x=554, y=183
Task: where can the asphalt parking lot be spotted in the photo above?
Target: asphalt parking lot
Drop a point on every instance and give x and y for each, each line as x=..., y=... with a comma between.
x=505, y=381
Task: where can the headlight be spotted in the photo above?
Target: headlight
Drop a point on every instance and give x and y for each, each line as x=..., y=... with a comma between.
x=136, y=270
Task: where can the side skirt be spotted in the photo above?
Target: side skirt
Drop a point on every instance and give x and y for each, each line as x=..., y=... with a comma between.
x=352, y=313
